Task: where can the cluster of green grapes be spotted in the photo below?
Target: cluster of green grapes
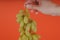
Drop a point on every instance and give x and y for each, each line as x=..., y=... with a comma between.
x=27, y=26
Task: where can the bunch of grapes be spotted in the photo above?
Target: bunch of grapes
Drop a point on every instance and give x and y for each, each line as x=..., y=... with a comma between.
x=27, y=27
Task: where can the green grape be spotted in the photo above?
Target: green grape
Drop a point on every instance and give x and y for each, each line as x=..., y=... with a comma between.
x=30, y=37
x=28, y=27
x=22, y=23
x=21, y=33
x=19, y=38
x=21, y=11
x=19, y=19
x=33, y=27
x=21, y=29
x=18, y=15
x=35, y=37
x=24, y=37
x=25, y=19
x=27, y=33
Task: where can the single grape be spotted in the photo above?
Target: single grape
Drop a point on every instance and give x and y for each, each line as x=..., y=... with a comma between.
x=24, y=37
x=28, y=26
x=33, y=27
x=22, y=23
x=26, y=19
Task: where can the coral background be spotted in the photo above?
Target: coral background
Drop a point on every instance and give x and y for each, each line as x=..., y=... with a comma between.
x=47, y=26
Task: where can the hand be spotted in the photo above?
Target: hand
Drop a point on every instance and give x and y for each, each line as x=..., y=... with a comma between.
x=46, y=7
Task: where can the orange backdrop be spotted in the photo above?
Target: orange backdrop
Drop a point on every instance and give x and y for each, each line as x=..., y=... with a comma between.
x=48, y=26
